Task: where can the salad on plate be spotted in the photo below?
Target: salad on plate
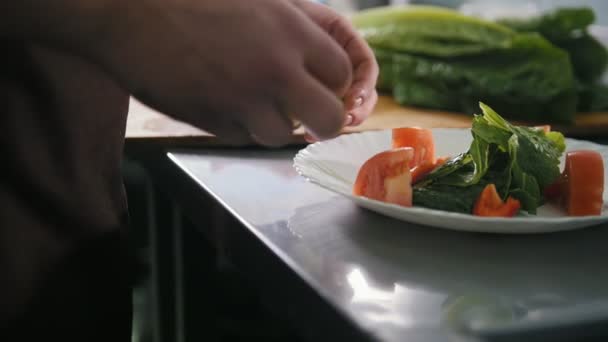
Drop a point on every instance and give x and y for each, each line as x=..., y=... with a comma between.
x=507, y=171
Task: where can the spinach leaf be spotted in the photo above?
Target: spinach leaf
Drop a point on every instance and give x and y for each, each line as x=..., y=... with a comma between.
x=534, y=156
x=492, y=131
x=525, y=187
x=447, y=197
x=537, y=155
x=445, y=193
x=519, y=161
x=449, y=167
x=479, y=150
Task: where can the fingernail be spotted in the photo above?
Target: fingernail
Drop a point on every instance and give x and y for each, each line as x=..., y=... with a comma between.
x=349, y=119
x=309, y=138
x=358, y=101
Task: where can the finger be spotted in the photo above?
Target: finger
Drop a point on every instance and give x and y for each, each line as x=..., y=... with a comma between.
x=270, y=128
x=309, y=138
x=363, y=86
x=309, y=101
x=330, y=65
x=348, y=121
x=358, y=51
x=325, y=58
x=361, y=113
x=365, y=73
x=230, y=133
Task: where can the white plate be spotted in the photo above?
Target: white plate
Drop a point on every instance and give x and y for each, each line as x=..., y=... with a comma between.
x=334, y=164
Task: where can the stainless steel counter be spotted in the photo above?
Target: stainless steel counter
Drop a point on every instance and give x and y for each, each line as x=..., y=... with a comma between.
x=393, y=280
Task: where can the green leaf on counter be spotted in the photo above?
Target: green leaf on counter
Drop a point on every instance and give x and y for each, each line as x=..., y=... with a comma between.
x=532, y=81
x=558, y=24
x=539, y=69
x=430, y=30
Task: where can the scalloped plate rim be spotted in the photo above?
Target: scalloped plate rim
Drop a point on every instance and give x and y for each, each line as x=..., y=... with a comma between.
x=576, y=222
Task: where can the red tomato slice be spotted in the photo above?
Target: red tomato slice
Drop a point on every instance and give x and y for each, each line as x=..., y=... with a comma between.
x=425, y=168
x=386, y=177
x=583, y=183
x=421, y=170
x=489, y=203
x=420, y=139
x=554, y=191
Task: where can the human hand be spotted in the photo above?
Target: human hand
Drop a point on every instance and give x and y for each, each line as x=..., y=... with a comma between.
x=361, y=96
x=239, y=69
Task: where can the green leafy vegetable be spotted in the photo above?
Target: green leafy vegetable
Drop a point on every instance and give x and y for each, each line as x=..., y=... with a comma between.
x=443, y=197
x=594, y=98
x=559, y=24
x=423, y=93
x=588, y=56
x=520, y=161
x=524, y=186
x=567, y=29
x=542, y=69
x=429, y=30
x=480, y=150
x=386, y=78
x=525, y=84
x=449, y=167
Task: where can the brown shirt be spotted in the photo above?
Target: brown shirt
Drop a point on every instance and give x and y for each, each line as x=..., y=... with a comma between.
x=62, y=123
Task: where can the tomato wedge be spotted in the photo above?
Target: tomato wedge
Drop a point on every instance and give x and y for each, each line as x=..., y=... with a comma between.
x=583, y=183
x=554, y=192
x=420, y=139
x=386, y=177
x=489, y=204
x=418, y=172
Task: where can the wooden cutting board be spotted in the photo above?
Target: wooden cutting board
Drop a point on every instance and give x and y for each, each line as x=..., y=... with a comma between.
x=145, y=125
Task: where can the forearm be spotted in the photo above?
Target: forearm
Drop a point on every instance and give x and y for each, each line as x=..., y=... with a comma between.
x=69, y=23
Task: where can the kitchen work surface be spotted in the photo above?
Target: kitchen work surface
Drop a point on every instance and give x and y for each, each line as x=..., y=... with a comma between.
x=343, y=273
x=147, y=125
